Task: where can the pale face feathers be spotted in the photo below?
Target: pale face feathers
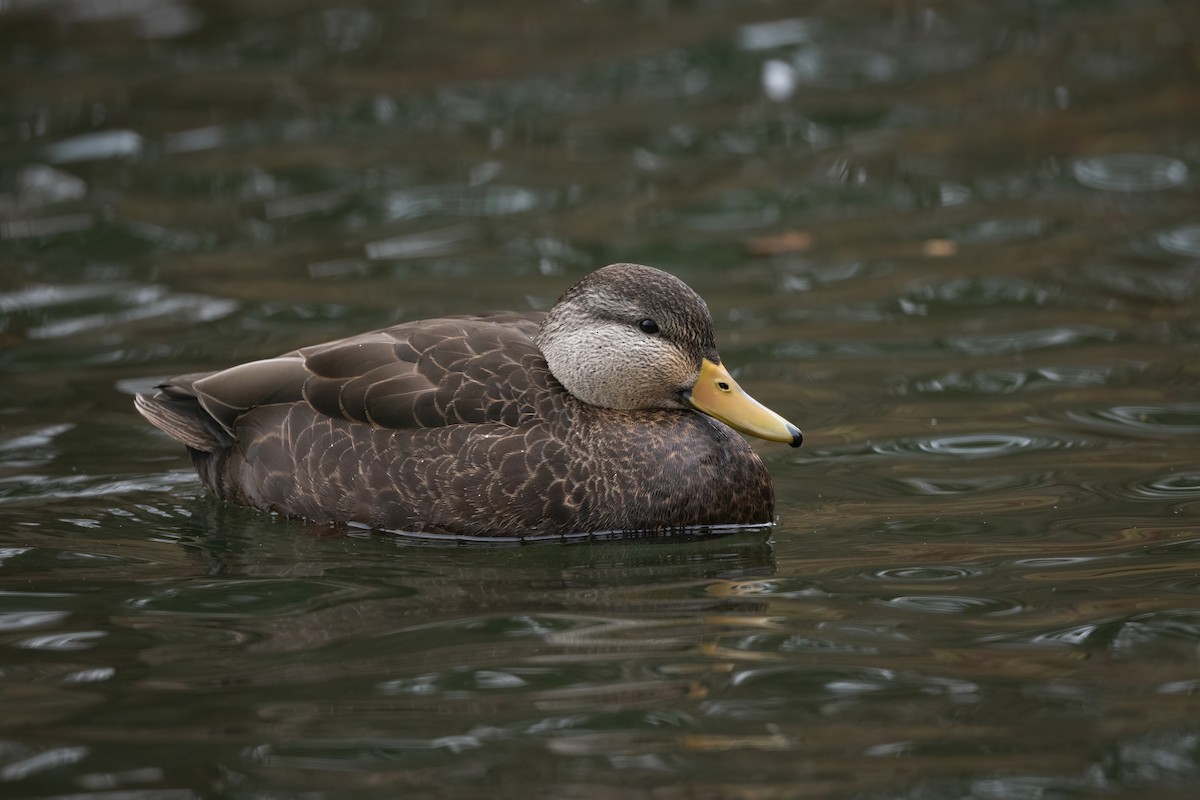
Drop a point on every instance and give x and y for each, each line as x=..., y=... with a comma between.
x=599, y=351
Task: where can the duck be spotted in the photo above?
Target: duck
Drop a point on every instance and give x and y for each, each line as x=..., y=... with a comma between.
x=610, y=414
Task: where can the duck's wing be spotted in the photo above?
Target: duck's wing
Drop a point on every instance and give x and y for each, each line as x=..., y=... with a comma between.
x=431, y=373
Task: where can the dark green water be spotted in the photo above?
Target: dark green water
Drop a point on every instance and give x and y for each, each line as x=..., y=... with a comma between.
x=958, y=243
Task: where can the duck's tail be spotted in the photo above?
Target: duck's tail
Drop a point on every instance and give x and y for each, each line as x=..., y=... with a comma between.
x=180, y=415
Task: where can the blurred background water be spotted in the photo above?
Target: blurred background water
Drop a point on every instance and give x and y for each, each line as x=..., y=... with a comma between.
x=957, y=242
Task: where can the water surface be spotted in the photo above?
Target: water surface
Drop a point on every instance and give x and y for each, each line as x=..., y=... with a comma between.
x=959, y=244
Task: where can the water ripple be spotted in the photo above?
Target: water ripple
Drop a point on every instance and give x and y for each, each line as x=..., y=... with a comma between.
x=952, y=604
x=96, y=145
x=475, y=201
x=1002, y=231
x=19, y=620
x=74, y=640
x=973, y=445
x=1186, y=548
x=989, y=344
x=919, y=574
x=149, y=303
x=776, y=33
x=35, y=439
x=1170, y=486
x=1130, y=172
x=1172, y=284
x=1005, y=381
x=979, y=292
x=59, y=311
x=48, y=295
x=779, y=644
x=40, y=488
x=1154, y=421
x=240, y=597
x=29, y=449
x=974, y=485
x=1184, y=241
x=41, y=761
x=842, y=67
x=1168, y=758
x=1166, y=633
x=937, y=528
x=1160, y=634
x=46, y=227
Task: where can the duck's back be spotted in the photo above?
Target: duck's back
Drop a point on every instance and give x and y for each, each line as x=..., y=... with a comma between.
x=452, y=425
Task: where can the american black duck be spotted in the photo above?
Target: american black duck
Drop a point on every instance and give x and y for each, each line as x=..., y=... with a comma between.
x=610, y=413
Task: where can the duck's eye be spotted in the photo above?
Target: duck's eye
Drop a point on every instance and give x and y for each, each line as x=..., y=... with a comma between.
x=648, y=326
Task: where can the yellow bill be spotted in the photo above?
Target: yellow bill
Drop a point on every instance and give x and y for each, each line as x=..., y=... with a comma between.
x=717, y=394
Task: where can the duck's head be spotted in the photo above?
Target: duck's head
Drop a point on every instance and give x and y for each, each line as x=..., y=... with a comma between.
x=634, y=337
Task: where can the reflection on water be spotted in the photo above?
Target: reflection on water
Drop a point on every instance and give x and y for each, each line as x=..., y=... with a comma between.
x=958, y=243
x=1130, y=172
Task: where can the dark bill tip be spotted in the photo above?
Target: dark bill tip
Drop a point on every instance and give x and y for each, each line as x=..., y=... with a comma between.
x=797, y=436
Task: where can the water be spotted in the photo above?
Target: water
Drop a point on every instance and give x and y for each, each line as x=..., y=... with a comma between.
x=956, y=243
